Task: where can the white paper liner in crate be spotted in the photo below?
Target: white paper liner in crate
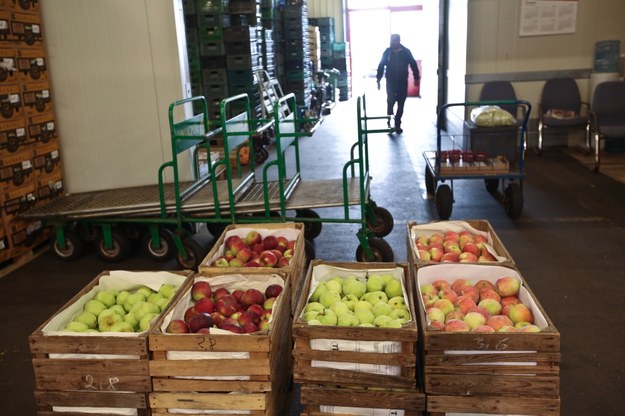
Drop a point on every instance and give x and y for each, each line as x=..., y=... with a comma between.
x=475, y=272
x=324, y=272
x=360, y=411
x=230, y=282
x=428, y=229
x=288, y=233
x=96, y=410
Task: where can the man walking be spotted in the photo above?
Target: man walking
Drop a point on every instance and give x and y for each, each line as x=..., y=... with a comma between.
x=396, y=59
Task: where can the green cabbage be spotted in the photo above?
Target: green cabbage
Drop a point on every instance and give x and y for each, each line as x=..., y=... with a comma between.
x=491, y=115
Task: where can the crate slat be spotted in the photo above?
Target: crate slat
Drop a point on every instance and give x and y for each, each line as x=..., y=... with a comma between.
x=94, y=399
x=221, y=367
x=214, y=342
x=246, y=386
x=213, y=401
x=439, y=405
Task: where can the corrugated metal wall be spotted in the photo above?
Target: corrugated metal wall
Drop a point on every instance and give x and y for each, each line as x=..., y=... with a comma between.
x=330, y=8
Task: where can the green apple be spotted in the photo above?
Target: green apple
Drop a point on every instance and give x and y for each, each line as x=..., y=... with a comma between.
x=107, y=319
x=363, y=305
x=314, y=306
x=119, y=309
x=167, y=290
x=388, y=277
x=327, y=317
x=382, y=308
x=397, y=302
x=314, y=322
x=144, y=323
x=392, y=323
x=94, y=306
x=329, y=298
x=319, y=290
x=365, y=316
x=375, y=297
x=154, y=297
x=162, y=303
x=350, y=301
x=88, y=318
x=401, y=314
x=335, y=284
x=106, y=297
x=146, y=291
x=380, y=320
x=122, y=297
x=355, y=287
x=347, y=319
x=340, y=308
x=132, y=320
x=76, y=326
x=375, y=283
x=310, y=315
x=393, y=288
x=133, y=298
x=366, y=325
x=121, y=327
x=140, y=309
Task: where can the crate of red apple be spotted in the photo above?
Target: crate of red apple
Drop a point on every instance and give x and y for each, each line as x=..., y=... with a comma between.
x=242, y=247
x=485, y=334
x=93, y=352
x=473, y=241
x=225, y=345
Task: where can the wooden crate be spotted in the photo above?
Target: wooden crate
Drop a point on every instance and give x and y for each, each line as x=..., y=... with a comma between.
x=403, y=340
x=261, y=361
x=294, y=271
x=320, y=400
x=488, y=364
x=413, y=230
x=443, y=405
x=73, y=370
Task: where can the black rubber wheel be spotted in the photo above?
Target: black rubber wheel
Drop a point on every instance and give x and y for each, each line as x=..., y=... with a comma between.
x=216, y=228
x=6, y=110
x=430, y=184
x=195, y=254
x=444, y=201
x=118, y=252
x=309, y=252
x=382, y=251
x=12, y=144
x=513, y=200
x=166, y=248
x=384, y=224
x=87, y=232
x=491, y=185
x=311, y=229
x=73, y=247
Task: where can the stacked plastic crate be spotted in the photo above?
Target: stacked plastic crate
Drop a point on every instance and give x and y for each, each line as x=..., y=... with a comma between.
x=296, y=53
x=30, y=168
x=268, y=49
x=326, y=39
x=341, y=61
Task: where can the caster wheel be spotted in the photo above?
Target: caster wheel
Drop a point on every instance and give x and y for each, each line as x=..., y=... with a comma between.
x=72, y=250
x=382, y=251
x=165, y=249
x=384, y=224
x=309, y=252
x=513, y=200
x=119, y=250
x=491, y=185
x=311, y=229
x=444, y=201
x=195, y=254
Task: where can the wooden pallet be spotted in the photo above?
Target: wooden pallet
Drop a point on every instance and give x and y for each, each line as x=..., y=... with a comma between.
x=13, y=259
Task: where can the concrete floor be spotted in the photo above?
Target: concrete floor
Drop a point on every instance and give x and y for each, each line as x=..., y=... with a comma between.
x=568, y=245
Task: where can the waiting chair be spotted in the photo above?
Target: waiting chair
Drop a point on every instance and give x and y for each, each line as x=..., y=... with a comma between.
x=503, y=91
x=607, y=116
x=561, y=107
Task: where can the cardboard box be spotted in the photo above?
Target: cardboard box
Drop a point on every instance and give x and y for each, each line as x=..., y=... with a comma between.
x=475, y=227
x=42, y=127
x=15, y=169
x=242, y=373
x=46, y=157
x=11, y=101
x=36, y=97
x=17, y=200
x=13, y=135
x=355, y=356
x=465, y=365
x=26, y=30
x=107, y=372
x=292, y=231
x=8, y=64
x=49, y=186
x=31, y=64
x=28, y=6
x=24, y=234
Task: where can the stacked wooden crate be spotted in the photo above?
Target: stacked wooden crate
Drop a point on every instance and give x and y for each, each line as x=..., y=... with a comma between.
x=498, y=373
x=356, y=370
x=30, y=168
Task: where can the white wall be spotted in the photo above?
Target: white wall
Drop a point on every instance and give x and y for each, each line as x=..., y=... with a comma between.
x=115, y=66
x=330, y=8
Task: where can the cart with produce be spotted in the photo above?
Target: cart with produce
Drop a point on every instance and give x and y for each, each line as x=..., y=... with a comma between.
x=489, y=147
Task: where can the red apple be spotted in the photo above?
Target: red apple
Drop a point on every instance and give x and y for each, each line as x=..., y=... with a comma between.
x=447, y=294
x=258, y=248
x=253, y=263
x=472, y=292
x=268, y=304
x=498, y=321
x=220, y=292
x=229, y=242
x=270, y=242
x=283, y=244
x=486, y=257
x=237, y=246
x=218, y=318
x=268, y=259
x=201, y=289
x=288, y=252
x=509, y=300
x=249, y=317
x=284, y=261
x=265, y=315
x=484, y=284
x=441, y=284
x=450, y=257
x=264, y=325
x=249, y=327
x=467, y=257
x=489, y=293
x=189, y=313
x=235, y=328
x=277, y=252
x=273, y=290
x=253, y=237
x=456, y=325
x=203, y=331
x=291, y=245
x=177, y=326
x=245, y=254
x=472, y=248
x=227, y=305
x=236, y=262
x=237, y=294
x=458, y=284
x=255, y=308
x=507, y=286
x=251, y=297
x=205, y=305
x=200, y=320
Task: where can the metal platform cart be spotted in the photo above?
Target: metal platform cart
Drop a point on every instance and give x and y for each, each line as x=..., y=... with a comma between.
x=495, y=155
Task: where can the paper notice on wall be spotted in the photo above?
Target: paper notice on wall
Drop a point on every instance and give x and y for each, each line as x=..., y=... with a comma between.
x=548, y=17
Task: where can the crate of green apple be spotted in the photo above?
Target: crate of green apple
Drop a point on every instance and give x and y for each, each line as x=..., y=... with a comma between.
x=484, y=332
x=472, y=241
x=96, y=345
x=346, y=302
x=242, y=247
x=242, y=322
